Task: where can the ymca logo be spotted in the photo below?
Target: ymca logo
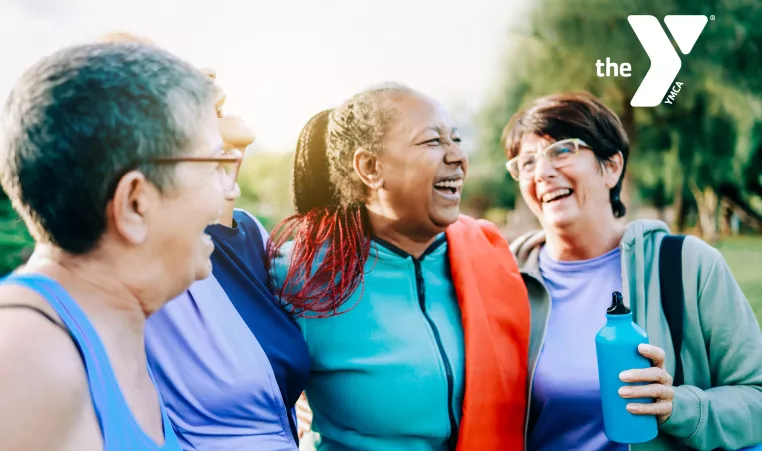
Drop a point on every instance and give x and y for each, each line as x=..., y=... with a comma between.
x=665, y=62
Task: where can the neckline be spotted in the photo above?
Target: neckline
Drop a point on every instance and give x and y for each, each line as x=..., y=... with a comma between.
x=435, y=245
x=220, y=229
x=575, y=265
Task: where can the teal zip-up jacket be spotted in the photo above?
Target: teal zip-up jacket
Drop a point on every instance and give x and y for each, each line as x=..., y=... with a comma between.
x=720, y=405
x=388, y=373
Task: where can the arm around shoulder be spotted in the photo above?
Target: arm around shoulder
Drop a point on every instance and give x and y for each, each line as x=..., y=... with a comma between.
x=728, y=414
x=43, y=388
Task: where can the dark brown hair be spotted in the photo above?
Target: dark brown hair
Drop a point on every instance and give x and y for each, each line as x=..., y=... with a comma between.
x=573, y=115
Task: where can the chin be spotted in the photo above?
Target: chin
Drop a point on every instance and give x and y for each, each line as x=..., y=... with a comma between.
x=559, y=221
x=444, y=219
x=203, y=270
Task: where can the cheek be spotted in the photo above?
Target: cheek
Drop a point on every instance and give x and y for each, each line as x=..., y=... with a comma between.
x=589, y=184
x=197, y=206
x=411, y=179
x=528, y=191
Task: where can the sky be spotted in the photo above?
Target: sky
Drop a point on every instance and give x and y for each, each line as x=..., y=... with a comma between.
x=281, y=61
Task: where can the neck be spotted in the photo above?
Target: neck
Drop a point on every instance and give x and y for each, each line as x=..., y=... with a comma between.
x=96, y=286
x=584, y=240
x=413, y=242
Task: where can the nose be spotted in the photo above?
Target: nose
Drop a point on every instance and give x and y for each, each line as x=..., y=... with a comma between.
x=455, y=155
x=543, y=169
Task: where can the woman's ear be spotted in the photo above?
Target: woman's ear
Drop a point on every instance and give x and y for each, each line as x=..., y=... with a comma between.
x=614, y=167
x=368, y=168
x=130, y=207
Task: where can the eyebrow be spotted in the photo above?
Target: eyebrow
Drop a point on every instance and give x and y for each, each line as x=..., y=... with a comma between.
x=439, y=130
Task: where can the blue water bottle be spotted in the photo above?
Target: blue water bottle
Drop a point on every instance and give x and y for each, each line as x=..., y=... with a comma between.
x=617, y=350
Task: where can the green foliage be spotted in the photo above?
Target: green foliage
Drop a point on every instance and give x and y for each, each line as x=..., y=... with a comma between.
x=711, y=137
x=265, y=181
x=15, y=242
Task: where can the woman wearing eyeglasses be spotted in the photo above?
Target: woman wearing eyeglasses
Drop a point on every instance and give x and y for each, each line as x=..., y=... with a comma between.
x=230, y=363
x=111, y=153
x=569, y=153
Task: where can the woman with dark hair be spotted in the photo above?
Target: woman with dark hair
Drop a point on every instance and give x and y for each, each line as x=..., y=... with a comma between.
x=569, y=154
x=111, y=153
x=415, y=317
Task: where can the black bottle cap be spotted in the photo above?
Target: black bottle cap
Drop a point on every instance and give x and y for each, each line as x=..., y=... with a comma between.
x=617, y=305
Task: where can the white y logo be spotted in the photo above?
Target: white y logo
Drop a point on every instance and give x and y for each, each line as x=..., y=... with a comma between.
x=665, y=62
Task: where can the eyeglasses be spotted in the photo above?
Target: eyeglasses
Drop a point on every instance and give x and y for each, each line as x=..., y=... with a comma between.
x=558, y=154
x=227, y=165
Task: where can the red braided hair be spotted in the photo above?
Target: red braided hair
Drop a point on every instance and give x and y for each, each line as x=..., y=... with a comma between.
x=332, y=225
x=342, y=235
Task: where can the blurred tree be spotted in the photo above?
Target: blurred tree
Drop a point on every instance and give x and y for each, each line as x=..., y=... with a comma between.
x=265, y=181
x=15, y=242
x=693, y=153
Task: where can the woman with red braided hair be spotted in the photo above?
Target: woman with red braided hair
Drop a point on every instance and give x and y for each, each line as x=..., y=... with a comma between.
x=416, y=317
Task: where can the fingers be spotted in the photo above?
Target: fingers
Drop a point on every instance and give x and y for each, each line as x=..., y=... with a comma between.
x=653, y=353
x=657, y=391
x=653, y=374
x=660, y=409
x=304, y=413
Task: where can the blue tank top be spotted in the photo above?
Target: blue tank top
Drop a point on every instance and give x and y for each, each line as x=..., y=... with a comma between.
x=120, y=430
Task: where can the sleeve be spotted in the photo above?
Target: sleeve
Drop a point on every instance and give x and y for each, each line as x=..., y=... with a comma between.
x=278, y=273
x=728, y=415
x=262, y=231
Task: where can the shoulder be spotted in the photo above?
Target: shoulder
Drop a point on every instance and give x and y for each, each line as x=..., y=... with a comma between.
x=281, y=263
x=696, y=249
x=527, y=242
x=466, y=225
x=250, y=222
x=42, y=380
x=526, y=247
x=698, y=256
x=704, y=265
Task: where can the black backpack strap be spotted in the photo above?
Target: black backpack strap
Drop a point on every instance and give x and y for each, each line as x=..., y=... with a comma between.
x=672, y=302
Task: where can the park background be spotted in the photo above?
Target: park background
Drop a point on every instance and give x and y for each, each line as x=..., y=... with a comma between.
x=696, y=164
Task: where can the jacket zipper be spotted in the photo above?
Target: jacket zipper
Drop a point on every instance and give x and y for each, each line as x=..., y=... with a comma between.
x=453, y=440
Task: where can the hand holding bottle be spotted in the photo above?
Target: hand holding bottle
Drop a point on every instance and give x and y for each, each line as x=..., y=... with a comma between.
x=659, y=385
x=618, y=349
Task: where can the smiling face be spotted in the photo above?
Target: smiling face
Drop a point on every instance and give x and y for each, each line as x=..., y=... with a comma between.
x=420, y=172
x=564, y=195
x=576, y=182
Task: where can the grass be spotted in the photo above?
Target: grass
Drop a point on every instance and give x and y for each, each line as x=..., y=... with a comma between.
x=744, y=256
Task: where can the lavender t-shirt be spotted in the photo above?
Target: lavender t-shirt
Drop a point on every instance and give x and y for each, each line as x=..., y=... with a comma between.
x=566, y=402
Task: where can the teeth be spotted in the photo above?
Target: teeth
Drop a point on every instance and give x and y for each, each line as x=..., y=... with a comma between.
x=216, y=221
x=547, y=197
x=450, y=184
